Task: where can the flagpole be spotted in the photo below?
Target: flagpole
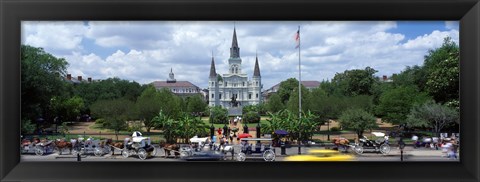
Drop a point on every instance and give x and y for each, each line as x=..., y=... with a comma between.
x=299, y=95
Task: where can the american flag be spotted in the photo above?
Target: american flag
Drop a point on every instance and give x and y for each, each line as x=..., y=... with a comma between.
x=297, y=38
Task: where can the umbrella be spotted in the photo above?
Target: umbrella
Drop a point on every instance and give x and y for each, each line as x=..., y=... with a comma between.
x=281, y=132
x=244, y=135
x=136, y=134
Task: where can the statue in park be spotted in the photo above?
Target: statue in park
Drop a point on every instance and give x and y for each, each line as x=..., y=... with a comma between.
x=234, y=101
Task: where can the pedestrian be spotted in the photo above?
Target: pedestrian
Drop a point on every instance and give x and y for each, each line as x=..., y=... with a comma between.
x=454, y=148
x=219, y=131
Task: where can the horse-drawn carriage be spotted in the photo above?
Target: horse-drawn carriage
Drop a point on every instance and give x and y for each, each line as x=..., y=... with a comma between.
x=138, y=145
x=37, y=146
x=380, y=144
x=260, y=150
x=199, y=150
x=91, y=145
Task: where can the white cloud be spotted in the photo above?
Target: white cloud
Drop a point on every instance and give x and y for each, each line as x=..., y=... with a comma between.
x=55, y=37
x=145, y=51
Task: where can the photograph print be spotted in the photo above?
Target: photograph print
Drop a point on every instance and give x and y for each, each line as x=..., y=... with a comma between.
x=238, y=91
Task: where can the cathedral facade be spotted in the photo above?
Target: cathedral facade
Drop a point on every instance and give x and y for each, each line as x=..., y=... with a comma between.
x=234, y=89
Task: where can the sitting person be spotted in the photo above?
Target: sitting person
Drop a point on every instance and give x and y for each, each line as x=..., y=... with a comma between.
x=258, y=146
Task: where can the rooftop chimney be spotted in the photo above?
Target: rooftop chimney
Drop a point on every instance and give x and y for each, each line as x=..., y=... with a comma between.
x=69, y=76
x=79, y=78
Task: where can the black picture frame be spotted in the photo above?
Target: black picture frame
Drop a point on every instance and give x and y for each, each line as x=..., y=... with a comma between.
x=13, y=12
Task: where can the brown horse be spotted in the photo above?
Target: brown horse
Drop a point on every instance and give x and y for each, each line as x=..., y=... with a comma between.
x=170, y=147
x=61, y=144
x=112, y=145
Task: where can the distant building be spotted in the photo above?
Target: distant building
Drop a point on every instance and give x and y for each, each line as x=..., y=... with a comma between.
x=234, y=85
x=384, y=78
x=274, y=89
x=77, y=80
x=181, y=88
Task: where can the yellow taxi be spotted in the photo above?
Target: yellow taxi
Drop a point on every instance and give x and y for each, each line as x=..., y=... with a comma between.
x=321, y=155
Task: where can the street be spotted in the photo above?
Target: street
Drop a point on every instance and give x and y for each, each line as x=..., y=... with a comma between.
x=410, y=154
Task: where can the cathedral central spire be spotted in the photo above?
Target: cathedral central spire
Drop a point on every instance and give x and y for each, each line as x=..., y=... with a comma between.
x=234, y=50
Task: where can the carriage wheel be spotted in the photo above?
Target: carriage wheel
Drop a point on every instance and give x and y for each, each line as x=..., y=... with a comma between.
x=107, y=150
x=39, y=151
x=154, y=152
x=98, y=152
x=384, y=149
x=125, y=153
x=342, y=148
x=241, y=156
x=358, y=149
x=269, y=155
x=142, y=154
x=184, y=154
x=82, y=151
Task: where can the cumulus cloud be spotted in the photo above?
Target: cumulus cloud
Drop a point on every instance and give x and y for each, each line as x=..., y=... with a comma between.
x=54, y=37
x=145, y=51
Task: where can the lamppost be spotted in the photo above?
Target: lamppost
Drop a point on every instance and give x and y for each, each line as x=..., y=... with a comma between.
x=328, y=130
x=212, y=131
x=401, y=144
x=258, y=130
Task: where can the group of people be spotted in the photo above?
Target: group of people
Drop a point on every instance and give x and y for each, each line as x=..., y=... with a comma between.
x=449, y=146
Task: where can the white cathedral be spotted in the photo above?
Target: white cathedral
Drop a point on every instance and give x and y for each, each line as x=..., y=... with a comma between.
x=233, y=89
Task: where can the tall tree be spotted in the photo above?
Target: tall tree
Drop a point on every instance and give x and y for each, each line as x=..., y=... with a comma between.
x=433, y=115
x=274, y=103
x=442, y=65
x=116, y=113
x=357, y=120
x=147, y=106
x=196, y=105
x=395, y=104
x=292, y=104
x=286, y=88
x=41, y=79
x=356, y=82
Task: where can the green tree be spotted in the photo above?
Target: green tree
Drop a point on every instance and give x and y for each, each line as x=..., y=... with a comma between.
x=147, y=107
x=218, y=115
x=433, y=115
x=170, y=103
x=395, y=104
x=442, y=65
x=115, y=113
x=357, y=120
x=196, y=105
x=292, y=104
x=27, y=126
x=286, y=88
x=41, y=79
x=274, y=103
x=67, y=109
x=356, y=82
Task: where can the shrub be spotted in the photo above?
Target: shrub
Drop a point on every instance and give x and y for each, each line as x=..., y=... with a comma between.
x=334, y=129
x=251, y=117
x=100, y=122
x=218, y=115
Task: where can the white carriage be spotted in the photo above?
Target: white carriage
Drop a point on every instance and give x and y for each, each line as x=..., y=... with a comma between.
x=36, y=146
x=201, y=149
x=262, y=149
x=138, y=145
x=91, y=145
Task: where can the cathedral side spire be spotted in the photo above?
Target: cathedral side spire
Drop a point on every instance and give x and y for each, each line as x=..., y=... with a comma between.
x=256, y=70
x=213, y=73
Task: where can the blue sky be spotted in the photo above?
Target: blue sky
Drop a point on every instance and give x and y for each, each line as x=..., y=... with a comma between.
x=144, y=51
